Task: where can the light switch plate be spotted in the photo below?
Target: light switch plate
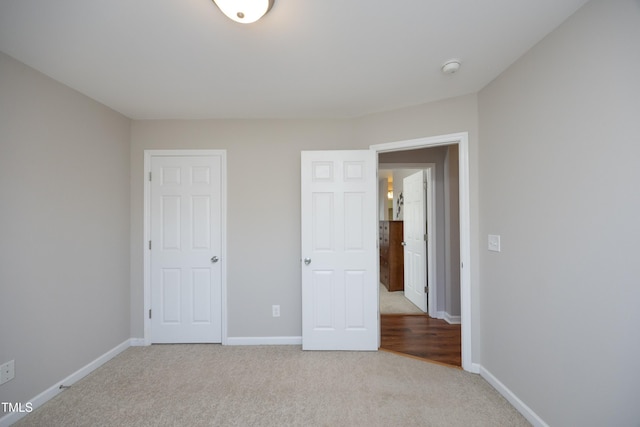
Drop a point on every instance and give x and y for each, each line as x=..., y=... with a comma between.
x=494, y=243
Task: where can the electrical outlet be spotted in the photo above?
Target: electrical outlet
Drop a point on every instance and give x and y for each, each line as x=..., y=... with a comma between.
x=7, y=371
x=275, y=310
x=494, y=243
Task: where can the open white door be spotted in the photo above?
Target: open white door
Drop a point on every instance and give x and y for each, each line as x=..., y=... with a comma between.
x=185, y=248
x=339, y=250
x=416, y=235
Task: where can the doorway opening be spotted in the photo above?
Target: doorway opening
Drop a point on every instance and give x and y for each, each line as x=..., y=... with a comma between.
x=451, y=307
x=408, y=225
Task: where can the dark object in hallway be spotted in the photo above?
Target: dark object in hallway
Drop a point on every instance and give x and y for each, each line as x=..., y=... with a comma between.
x=391, y=255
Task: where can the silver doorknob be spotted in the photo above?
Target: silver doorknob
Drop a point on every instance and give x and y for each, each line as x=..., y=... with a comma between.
x=214, y=259
x=307, y=261
x=403, y=244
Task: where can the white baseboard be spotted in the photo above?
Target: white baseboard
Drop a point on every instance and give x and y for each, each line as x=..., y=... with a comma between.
x=526, y=412
x=452, y=320
x=264, y=341
x=140, y=342
x=438, y=315
x=137, y=342
x=55, y=389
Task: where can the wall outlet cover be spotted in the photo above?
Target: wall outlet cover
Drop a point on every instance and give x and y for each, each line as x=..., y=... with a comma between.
x=494, y=243
x=7, y=371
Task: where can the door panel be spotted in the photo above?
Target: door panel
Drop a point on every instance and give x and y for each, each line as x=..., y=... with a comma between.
x=355, y=296
x=171, y=296
x=201, y=222
x=186, y=302
x=202, y=309
x=354, y=205
x=415, y=249
x=170, y=219
x=323, y=314
x=339, y=285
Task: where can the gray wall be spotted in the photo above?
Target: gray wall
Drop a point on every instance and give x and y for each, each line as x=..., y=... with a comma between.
x=398, y=186
x=384, y=204
x=560, y=174
x=264, y=198
x=263, y=239
x=64, y=222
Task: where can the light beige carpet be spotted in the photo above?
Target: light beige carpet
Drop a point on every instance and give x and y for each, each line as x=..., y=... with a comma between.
x=396, y=303
x=212, y=385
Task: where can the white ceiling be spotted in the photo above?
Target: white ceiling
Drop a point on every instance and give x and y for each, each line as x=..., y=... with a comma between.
x=306, y=58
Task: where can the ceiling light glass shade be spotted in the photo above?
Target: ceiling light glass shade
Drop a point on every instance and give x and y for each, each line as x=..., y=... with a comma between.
x=244, y=11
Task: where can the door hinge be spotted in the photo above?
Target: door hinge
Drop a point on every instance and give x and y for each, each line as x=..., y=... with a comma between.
x=426, y=289
x=149, y=176
x=149, y=244
x=424, y=184
x=149, y=313
x=426, y=237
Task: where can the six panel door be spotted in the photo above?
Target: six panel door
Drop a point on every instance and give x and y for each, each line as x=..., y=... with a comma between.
x=185, y=249
x=339, y=269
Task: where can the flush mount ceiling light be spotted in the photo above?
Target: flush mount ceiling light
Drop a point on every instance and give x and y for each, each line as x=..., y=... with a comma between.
x=451, y=66
x=244, y=11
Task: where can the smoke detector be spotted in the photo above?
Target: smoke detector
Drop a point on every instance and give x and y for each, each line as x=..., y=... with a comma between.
x=451, y=66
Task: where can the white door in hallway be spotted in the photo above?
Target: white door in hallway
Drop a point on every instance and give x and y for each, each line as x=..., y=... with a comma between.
x=185, y=248
x=339, y=250
x=415, y=239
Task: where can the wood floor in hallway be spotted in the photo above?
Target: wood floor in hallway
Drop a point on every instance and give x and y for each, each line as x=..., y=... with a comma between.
x=421, y=336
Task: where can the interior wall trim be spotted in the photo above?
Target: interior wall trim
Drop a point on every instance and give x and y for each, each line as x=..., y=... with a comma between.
x=466, y=262
x=451, y=319
x=526, y=411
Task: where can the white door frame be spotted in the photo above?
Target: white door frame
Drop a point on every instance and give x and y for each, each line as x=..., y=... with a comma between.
x=429, y=174
x=148, y=154
x=462, y=140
